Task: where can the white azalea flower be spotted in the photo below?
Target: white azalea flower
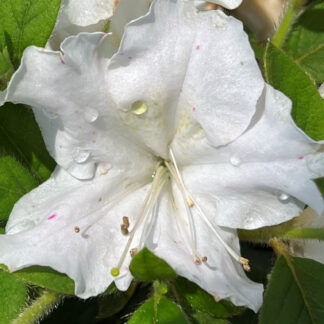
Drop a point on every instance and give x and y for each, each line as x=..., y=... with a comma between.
x=172, y=143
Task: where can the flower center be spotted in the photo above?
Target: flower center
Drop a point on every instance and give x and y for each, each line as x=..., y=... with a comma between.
x=147, y=212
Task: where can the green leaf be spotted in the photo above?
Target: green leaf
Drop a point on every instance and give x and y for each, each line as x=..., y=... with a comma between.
x=13, y=294
x=295, y=293
x=110, y=304
x=45, y=277
x=6, y=68
x=305, y=43
x=193, y=300
x=26, y=22
x=15, y=181
x=158, y=310
x=286, y=231
x=285, y=75
x=145, y=266
x=20, y=137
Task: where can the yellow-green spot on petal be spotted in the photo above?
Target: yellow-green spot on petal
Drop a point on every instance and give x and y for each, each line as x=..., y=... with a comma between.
x=139, y=107
x=114, y=272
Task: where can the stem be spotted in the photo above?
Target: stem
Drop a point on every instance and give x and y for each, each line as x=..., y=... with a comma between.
x=286, y=22
x=39, y=308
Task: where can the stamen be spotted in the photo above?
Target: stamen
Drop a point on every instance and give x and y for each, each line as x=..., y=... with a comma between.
x=126, y=221
x=197, y=260
x=204, y=259
x=76, y=229
x=148, y=205
x=133, y=252
x=189, y=203
x=124, y=229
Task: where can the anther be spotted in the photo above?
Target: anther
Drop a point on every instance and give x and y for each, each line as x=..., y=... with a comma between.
x=197, y=260
x=245, y=263
x=126, y=221
x=115, y=272
x=132, y=252
x=124, y=229
x=190, y=202
x=76, y=229
x=204, y=259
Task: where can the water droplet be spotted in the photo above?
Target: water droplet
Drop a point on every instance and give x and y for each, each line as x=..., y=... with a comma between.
x=235, y=161
x=80, y=156
x=50, y=114
x=283, y=196
x=91, y=115
x=139, y=107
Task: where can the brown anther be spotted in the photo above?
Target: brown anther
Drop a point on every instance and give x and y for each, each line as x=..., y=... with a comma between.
x=246, y=267
x=243, y=261
x=132, y=252
x=197, y=260
x=126, y=221
x=204, y=259
x=190, y=202
x=76, y=229
x=124, y=229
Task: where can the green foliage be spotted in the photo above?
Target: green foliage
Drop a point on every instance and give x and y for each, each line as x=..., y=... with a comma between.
x=45, y=277
x=305, y=43
x=13, y=295
x=295, y=293
x=285, y=75
x=158, y=310
x=197, y=303
x=25, y=23
x=145, y=266
x=15, y=181
x=20, y=137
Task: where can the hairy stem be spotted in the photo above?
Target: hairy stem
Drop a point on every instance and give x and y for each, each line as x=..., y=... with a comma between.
x=39, y=308
x=286, y=22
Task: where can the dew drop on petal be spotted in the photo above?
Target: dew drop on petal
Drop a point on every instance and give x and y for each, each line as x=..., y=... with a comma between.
x=80, y=156
x=283, y=196
x=235, y=161
x=91, y=115
x=139, y=107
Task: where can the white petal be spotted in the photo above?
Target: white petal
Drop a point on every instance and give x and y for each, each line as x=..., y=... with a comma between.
x=77, y=16
x=221, y=275
x=228, y=4
x=41, y=229
x=192, y=67
x=253, y=195
x=80, y=126
x=321, y=90
x=272, y=135
x=126, y=11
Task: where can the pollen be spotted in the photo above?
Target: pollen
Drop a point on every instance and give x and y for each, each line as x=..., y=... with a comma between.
x=126, y=221
x=197, y=260
x=245, y=263
x=132, y=252
x=124, y=229
x=115, y=272
x=204, y=259
x=76, y=229
x=139, y=108
x=190, y=202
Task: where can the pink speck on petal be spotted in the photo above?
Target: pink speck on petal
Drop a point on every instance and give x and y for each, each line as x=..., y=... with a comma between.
x=52, y=216
x=130, y=57
x=194, y=108
x=198, y=47
x=62, y=61
x=301, y=158
x=121, y=53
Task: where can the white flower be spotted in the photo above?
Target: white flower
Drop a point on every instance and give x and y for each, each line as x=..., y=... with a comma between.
x=228, y=4
x=175, y=140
